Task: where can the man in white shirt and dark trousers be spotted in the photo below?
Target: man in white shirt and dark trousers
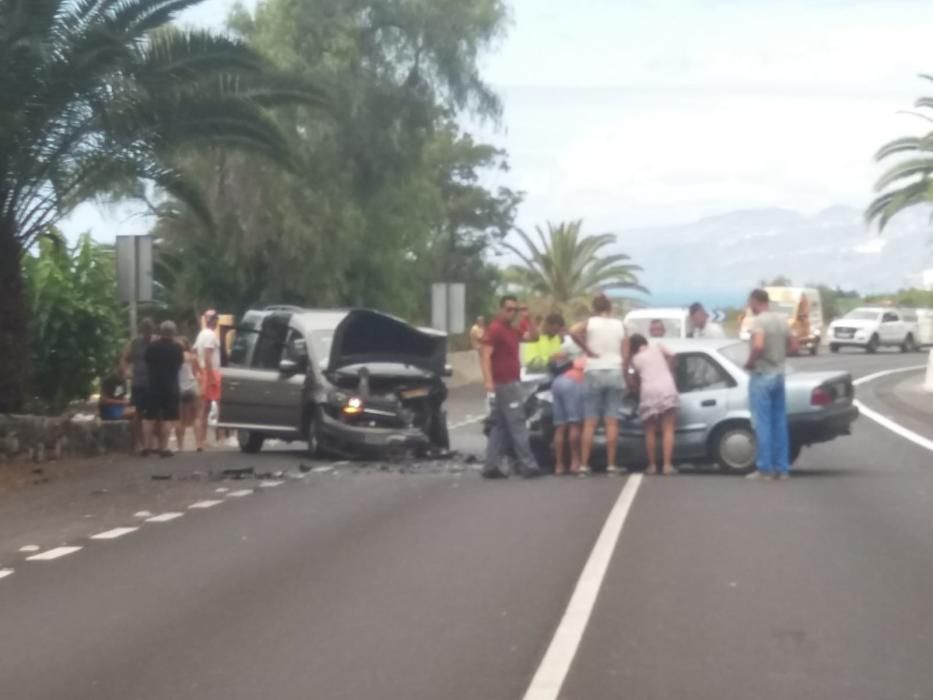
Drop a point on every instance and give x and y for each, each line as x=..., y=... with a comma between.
x=699, y=325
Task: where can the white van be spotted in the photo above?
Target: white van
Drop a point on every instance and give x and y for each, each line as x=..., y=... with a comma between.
x=675, y=321
x=804, y=311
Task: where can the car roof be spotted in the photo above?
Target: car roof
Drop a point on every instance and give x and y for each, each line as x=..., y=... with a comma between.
x=328, y=319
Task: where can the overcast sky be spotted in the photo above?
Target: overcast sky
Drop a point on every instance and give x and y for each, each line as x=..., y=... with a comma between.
x=649, y=112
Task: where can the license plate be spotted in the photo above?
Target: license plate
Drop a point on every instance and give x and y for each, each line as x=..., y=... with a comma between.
x=844, y=333
x=415, y=393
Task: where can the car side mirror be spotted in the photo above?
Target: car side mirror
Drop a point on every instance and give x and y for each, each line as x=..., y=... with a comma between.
x=288, y=368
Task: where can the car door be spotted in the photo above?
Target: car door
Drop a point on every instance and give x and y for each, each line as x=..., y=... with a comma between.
x=704, y=387
x=258, y=393
x=234, y=404
x=892, y=329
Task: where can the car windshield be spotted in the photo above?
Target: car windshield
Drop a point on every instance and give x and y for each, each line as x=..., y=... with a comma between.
x=861, y=315
x=783, y=307
x=320, y=345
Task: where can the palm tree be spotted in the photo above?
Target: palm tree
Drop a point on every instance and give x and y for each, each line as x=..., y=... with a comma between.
x=567, y=267
x=909, y=181
x=100, y=93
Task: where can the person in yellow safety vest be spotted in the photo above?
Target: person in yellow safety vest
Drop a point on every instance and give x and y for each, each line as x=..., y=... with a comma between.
x=537, y=356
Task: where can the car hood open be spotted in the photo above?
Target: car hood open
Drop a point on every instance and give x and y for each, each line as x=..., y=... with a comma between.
x=366, y=336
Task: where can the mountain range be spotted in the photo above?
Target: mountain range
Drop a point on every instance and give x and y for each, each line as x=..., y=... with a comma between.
x=719, y=259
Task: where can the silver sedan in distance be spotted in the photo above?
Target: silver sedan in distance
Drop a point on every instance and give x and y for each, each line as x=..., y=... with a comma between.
x=714, y=421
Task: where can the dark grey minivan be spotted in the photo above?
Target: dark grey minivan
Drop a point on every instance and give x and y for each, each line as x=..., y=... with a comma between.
x=348, y=382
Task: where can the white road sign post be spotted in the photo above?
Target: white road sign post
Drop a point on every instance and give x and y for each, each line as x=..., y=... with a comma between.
x=448, y=307
x=134, y=273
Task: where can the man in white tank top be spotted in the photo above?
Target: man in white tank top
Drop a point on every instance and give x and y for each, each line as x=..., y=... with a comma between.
x=602, y=337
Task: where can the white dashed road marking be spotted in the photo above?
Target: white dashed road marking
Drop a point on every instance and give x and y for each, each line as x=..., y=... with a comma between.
x=221, y=490
x=53, y=554
x=204, y=504
x=322, y=470
x=5, y=572
x=114, y=534
x=30, y=548
x=142, y=514
x=470, y=420
x=270, y=484
x=164, y=517
x=240, y=494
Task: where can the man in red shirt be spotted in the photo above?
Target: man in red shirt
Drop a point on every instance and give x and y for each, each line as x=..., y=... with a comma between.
x=502, y=374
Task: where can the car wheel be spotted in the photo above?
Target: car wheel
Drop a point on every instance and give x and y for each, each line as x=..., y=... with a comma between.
x=440, y=435
x=315, y=448
x=833, y=348
x=544, y=454
x=909, y=345
x=734, y=448
x=249, y=441
x=873, y=344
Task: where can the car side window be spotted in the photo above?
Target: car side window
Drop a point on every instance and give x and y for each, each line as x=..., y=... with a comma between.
x=697, y=372
x=890, y=318
x=270, y=345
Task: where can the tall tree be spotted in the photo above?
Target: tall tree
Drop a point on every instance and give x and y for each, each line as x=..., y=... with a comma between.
x=566, y=267
x=909, y=181
x=390, y=195
x=97, y=92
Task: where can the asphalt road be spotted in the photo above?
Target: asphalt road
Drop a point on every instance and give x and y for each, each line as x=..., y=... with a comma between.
x=411, y=582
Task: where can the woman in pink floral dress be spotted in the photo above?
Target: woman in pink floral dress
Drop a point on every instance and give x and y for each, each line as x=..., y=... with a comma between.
x=658, y=399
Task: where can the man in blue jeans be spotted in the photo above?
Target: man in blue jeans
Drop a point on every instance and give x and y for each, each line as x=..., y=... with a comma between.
x=770, y=344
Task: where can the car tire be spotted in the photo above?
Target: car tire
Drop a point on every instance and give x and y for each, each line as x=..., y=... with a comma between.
x=440, y=434
x=250, y=441
x=315, y=448
x=909, y=344
x=733, y=447
x=873, y=344
x=833, y=348
x=544, y=454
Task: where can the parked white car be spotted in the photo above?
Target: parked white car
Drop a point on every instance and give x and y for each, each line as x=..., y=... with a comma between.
x=872, y=328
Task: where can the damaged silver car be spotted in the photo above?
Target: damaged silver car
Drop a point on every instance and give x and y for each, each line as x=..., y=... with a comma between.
x=349, y=382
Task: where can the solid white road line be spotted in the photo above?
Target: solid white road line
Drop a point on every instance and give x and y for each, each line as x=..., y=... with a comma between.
x=886, y=373
x=239, y=494
x=552, y=672
x=886, y=422
x=5, y=572
x=53, y=554
x=164, y=517
x=114, y=534
x=204, y=505
x=895, y=428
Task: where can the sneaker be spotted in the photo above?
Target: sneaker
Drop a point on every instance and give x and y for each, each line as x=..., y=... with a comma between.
x=755, y=476
x=584, y=471
x=783, y=476
x=613, y=470
x=494, y=474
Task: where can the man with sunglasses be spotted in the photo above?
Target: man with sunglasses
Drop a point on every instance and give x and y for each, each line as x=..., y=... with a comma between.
x=502, y=374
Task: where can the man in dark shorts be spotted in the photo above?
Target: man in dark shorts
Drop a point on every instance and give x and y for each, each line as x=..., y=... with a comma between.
x=502, y=372
x=164, y=357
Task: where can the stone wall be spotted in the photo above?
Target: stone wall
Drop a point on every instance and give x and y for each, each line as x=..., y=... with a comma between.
x=41, y=438
x=465, y=368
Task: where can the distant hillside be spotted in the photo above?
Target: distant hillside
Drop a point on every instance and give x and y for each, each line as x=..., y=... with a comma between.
x=719, y=258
